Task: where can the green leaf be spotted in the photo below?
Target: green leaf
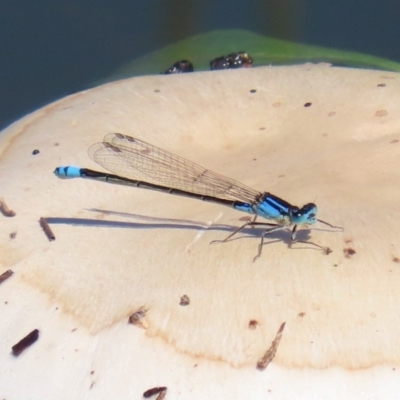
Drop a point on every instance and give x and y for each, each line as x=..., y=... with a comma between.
x=264, y=50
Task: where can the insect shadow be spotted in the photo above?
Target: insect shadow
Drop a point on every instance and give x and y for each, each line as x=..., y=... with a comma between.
x=168, y=223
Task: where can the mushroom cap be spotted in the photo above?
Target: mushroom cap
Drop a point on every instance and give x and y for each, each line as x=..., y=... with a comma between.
x=308, y=134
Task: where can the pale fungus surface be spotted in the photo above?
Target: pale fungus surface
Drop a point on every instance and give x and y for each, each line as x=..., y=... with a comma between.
x=308, y=134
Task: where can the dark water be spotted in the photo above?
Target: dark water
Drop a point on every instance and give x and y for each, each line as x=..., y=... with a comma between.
x=51, y=48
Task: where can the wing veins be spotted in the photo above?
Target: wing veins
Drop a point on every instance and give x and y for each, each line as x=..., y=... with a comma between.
x=138, y=160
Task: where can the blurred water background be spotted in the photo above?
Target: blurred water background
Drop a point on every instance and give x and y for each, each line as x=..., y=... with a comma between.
x=50, y=49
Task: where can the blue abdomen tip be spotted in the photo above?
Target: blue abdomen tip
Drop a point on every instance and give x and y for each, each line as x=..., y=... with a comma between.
x=68, y=171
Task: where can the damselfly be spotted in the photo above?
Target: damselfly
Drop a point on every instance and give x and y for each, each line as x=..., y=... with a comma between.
x=134, y=162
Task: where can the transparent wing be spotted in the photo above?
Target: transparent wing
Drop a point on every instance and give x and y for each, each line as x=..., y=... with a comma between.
x=135, y=159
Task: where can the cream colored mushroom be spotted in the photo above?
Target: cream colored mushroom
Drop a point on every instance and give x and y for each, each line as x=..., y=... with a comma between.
x=309, y=133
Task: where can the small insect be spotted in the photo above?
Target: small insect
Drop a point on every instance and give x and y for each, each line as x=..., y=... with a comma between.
x=180, y=67
x=219, y=63
x=232, y=61
x=240, y=60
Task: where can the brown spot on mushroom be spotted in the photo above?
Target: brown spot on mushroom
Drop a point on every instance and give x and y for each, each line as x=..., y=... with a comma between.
x=301, y=314
x=253, y=324
x=381, y=113
x=349, y=252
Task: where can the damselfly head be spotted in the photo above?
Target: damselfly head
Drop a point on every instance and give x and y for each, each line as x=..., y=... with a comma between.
x=305, y=215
